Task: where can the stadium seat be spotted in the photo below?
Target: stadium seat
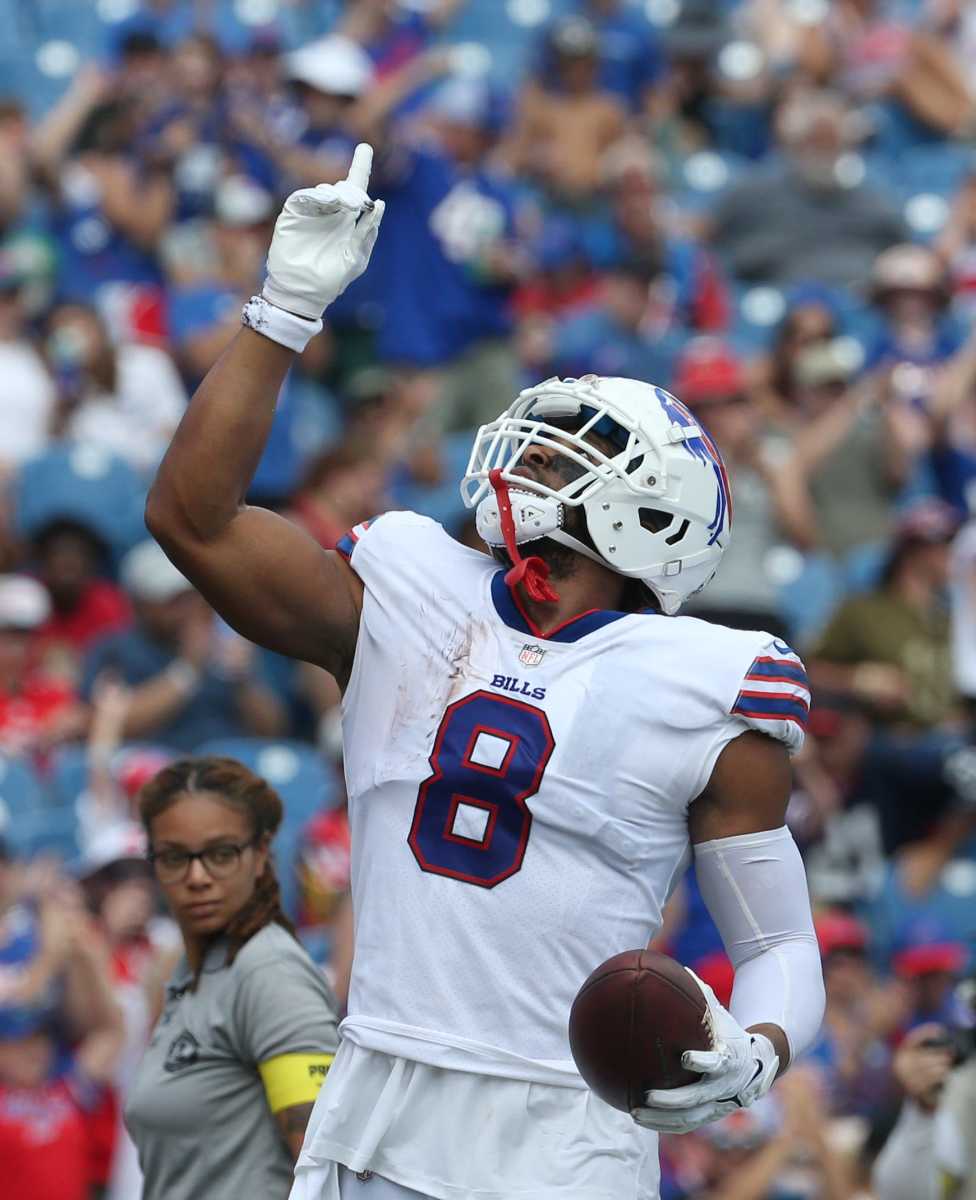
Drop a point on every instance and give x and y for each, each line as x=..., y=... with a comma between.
x=756, y=315
x=84, y=484
x=939, y=168
x=52, y=830
x=704, y=177
x=285, y=846
x=67, y=775
x=443, y=501
x=306, y=785
x=21, y=791
x=295, y=770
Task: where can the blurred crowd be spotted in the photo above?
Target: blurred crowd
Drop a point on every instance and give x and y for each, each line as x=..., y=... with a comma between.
x=767, y=206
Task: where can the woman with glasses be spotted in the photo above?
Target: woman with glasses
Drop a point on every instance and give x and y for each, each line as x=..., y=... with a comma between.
x=248, y=1030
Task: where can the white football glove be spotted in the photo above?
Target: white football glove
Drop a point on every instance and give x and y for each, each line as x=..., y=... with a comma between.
x=322, y=241
x=739, y=1068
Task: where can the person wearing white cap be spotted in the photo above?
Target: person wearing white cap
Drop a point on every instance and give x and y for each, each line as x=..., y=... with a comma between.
x=327, y=78
x=36, y=712
x=203, y=310
x=190, y=679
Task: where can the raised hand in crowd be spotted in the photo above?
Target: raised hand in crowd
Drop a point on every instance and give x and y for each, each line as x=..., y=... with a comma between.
x=922, y=1064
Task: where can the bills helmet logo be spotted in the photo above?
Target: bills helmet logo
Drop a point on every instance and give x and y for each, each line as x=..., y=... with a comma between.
x=531, y=655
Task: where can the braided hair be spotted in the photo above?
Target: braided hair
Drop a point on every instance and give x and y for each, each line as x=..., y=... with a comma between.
x=246, y=792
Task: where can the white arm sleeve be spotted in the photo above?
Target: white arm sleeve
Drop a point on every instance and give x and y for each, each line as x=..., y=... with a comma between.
x=755, y=887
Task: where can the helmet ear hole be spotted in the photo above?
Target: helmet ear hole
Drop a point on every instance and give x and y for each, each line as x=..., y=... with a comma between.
x=673, y=538
x=655, y=520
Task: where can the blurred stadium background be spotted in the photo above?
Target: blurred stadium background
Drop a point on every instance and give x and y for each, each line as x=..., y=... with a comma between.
x=768, y=206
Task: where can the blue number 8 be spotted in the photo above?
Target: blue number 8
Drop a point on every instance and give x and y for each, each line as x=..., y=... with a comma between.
x=471, y=821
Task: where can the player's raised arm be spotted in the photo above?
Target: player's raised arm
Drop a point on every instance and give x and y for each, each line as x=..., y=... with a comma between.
x=264, y=575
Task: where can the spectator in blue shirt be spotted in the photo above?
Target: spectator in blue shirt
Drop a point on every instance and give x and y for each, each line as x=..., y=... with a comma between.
x=618, y=335
x=312, y=142
x=443, y=274
x=910, y=290
x=632, y=226
x=189, y=679
x=109, y=209
x=953, y=442
x=393, y=33
x=213, y=274
x=192, y=138
x=212, y=277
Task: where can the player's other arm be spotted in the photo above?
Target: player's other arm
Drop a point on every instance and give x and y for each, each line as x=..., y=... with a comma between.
x=753, y=882
x=266, y=577
x=747, y=795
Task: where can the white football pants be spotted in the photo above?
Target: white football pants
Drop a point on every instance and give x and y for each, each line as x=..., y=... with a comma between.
x=322, y=1183
x=351, y=1187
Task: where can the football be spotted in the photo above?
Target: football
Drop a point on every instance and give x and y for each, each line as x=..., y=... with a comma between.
x=631, y=1021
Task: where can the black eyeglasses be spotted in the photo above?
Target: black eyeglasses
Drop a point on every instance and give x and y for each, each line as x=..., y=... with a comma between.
x=220, y=862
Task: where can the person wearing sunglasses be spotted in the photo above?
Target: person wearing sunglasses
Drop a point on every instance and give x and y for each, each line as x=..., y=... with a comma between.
x=248, y=1029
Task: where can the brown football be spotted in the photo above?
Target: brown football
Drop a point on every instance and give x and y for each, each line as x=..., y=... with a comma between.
x=631, y=1021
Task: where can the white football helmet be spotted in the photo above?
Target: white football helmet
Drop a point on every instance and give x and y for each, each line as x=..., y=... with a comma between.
x=659, y=510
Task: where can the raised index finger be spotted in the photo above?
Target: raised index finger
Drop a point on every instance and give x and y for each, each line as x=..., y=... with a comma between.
x=362, y=164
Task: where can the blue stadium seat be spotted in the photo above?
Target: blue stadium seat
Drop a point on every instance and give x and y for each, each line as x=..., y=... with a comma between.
x=285, y=848
x=756, y=314
x=442, y=502
x=46, y=831
x=84, y=484
x=306, y=785
x=704, y=177
x=68, y=775
x=939, y=167
x=21, y=791
x=68, y=770
x=295, y=770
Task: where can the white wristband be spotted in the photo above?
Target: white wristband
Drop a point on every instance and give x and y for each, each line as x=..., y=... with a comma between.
x=280, y=326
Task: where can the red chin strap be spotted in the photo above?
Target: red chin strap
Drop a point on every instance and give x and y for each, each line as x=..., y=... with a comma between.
x=532, y=572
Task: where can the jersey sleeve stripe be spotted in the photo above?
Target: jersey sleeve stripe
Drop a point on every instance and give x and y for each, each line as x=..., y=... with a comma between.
x=345, y=545
x=775, y=687
x=771, y=708
x=775, y=695
x=792, y=680
x=801, y=699
x=764, y=668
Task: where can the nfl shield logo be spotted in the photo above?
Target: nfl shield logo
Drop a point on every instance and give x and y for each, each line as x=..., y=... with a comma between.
x=531, y=656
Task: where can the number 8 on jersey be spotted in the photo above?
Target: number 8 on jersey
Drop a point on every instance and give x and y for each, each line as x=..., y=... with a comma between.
x=471, y=821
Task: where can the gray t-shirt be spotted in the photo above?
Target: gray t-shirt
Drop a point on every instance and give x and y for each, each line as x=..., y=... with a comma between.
x=198, y=1111
x=851, y=491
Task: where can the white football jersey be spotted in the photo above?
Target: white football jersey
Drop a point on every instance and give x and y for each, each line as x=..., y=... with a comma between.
x=518, y=799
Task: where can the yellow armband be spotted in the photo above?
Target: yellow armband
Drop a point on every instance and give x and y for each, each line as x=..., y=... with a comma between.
x=949, y=1185
x=291, y=1079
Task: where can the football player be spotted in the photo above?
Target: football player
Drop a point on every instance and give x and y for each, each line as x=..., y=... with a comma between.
x=535, y=748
